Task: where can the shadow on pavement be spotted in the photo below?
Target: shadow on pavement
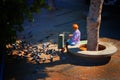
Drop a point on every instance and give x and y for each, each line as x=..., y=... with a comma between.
x=18, y=68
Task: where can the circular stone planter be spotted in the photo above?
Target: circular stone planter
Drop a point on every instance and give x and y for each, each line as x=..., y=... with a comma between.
x=108, y=50
x=92, y=58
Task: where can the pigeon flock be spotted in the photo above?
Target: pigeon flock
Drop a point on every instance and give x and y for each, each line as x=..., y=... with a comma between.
x=24, y=48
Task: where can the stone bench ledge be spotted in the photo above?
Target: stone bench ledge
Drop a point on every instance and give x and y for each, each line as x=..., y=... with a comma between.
x=108, y=51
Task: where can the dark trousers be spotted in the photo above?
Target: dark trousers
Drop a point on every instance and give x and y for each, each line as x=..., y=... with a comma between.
x=67, y=46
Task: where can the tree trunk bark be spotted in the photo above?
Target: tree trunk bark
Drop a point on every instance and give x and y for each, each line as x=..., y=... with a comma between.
x=93, y=24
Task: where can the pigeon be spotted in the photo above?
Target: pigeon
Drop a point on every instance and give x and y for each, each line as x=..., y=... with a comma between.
x=51, y=58
x=44, y=59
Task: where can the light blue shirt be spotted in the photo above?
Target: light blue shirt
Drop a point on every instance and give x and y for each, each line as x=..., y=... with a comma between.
x=75, y=38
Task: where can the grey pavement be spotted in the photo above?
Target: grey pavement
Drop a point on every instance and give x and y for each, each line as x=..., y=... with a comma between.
x=61, y=20
x=49, y=23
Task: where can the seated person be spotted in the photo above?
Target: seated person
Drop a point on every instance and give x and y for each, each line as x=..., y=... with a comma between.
x=75, y=37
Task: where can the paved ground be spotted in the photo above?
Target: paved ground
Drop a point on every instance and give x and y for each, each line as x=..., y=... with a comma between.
x=61, y=20
x=46, y=28
x=69, y=68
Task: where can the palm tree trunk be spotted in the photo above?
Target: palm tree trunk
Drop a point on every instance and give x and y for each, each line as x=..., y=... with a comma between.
x=93, y=24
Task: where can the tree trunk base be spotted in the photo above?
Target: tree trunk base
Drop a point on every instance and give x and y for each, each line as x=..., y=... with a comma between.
x=84, y=47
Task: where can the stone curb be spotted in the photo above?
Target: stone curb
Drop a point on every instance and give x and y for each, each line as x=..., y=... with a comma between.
x=107, y=52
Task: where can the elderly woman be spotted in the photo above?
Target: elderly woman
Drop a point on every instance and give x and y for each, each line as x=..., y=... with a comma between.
x=75, y=37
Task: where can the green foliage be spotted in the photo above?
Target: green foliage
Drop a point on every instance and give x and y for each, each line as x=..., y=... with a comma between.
x=12, y=14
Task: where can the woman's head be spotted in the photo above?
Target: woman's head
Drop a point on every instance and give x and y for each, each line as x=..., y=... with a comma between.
x=75, y=26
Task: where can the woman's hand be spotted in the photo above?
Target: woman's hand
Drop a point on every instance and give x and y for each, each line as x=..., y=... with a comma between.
x=70, y=35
